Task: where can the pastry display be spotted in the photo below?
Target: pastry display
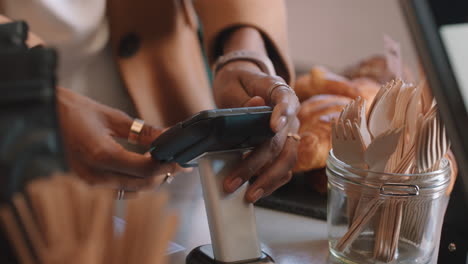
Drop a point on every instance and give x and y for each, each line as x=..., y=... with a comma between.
x=366, y=88
x=375, y=68
x=316, y=115
x=320, y=80
x=323, y=95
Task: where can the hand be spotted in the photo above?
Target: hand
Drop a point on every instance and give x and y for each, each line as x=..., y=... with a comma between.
x=31, y=41
x=88, y=130
x=242, y=84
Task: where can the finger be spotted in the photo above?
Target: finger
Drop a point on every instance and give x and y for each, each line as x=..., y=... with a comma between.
x=288, y=97
x=111, y=156
x=258, y=83
x=286, y=106
x=283, y=181
x=120, y=125
x=254, y=101
x=274, y=177
x=226, y=97
x=279, y=118
x=115, y=180
x=132, y=184
x=275, y=186
x=148, y=134
x=118, y=181
x=257, y=159
x=177, y=169
x=276, y=122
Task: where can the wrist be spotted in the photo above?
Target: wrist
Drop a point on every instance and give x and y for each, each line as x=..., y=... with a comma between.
x=240, y=64
x=262, y=62
x=243, y=47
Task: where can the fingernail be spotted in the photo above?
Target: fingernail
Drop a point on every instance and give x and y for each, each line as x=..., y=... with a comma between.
x=187, y=170
x=236, y=183
x=281, y=123
x=290, y=111
x=257, y=195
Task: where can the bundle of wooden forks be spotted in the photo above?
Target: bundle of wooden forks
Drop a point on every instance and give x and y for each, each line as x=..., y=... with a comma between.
x=401, y=133
x=62, y=220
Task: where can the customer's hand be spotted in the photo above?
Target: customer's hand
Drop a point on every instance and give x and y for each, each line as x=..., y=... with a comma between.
x=31, y=41
x=89, y=129
x=242, y=84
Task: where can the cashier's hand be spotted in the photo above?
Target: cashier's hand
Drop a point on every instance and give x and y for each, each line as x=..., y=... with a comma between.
x=242, y=84
x=89, y=129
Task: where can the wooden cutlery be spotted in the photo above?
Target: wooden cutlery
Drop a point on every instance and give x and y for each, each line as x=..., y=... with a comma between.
x=400, y=134
x=66, y=221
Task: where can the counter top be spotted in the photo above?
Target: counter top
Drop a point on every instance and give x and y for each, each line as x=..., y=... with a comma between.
x=288, y=238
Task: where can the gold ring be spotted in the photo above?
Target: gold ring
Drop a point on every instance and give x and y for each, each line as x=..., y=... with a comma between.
x=294, y=136
x=135, y=131
x=277, y=85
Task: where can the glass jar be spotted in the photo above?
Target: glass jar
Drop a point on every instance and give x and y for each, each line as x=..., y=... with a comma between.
x=383, y=217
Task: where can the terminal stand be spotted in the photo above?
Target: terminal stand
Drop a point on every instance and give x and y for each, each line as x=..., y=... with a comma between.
x=231, y=219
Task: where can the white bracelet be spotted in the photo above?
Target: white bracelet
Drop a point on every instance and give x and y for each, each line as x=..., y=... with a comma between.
x=263, y=62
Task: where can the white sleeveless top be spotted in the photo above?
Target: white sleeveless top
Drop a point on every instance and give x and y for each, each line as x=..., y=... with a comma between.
x=78, y=30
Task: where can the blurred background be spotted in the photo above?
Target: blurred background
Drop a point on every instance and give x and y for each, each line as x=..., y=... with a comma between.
x=337, y=33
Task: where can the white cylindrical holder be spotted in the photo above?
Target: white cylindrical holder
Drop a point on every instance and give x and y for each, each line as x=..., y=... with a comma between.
x=231, y=219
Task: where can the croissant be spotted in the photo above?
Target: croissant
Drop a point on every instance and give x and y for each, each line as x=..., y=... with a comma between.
x=322, y=81
x=315, y=115
x=324, y=94
x=366, y=88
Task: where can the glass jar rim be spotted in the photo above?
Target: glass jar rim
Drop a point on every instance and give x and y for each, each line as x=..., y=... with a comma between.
x=342, y=164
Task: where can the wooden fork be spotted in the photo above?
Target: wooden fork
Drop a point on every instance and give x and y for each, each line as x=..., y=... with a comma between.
x=347, y=144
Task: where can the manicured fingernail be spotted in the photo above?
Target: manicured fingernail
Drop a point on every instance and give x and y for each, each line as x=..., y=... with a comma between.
x=281, y=123
x=236, y=183
x=257, y=195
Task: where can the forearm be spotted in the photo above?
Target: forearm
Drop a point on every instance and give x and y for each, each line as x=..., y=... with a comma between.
x=267, y=18
x=244, y=38
x=247, y=39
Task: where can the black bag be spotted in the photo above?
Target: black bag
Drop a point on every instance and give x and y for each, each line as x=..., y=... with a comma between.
x=30, y=145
